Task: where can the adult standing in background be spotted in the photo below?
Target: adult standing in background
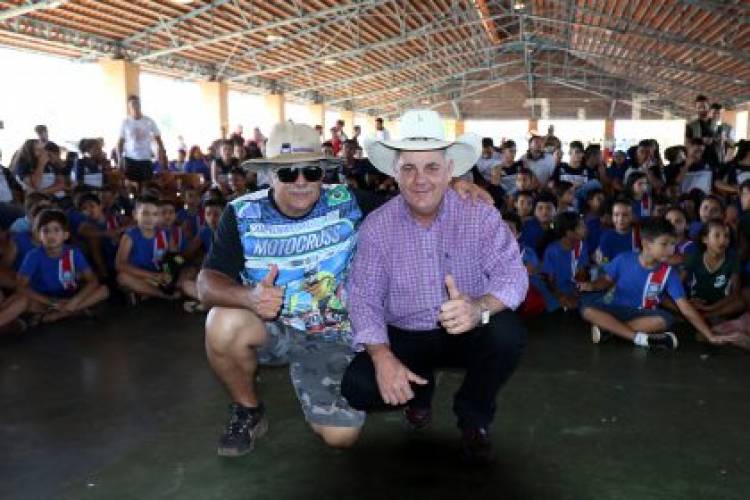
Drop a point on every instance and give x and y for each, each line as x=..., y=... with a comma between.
x=541, y=163
x=381, y=133
x=137, y=133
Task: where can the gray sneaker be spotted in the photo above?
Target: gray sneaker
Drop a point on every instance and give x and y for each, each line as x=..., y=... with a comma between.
x=244, y=427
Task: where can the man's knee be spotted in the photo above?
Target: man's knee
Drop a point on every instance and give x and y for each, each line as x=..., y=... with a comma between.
x=337, y=437
x=358, y=385
x=227, y=327
x=507, y=336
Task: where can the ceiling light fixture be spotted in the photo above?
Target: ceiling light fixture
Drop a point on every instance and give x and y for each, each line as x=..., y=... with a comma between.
x=519, y=6
x=329, y=62
x=274, y=38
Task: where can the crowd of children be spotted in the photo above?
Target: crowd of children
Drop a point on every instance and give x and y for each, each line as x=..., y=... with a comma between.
x=59, y=261
x=631, y=256
x=616, y=241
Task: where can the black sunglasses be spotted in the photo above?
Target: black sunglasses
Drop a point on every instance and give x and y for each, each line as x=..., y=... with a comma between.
x=290, y=174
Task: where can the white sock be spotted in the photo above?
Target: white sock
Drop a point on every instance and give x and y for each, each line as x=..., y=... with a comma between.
x=641, y=339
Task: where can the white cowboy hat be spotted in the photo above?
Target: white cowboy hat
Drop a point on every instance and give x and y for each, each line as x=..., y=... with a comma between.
x=422, y=130
x=290, y=143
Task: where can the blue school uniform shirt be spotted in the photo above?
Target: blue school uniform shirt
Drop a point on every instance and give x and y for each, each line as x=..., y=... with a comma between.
x=529, y=256
x=177, y=235
x=75, y=218
x=24, y=244
x=206, y=234
x=46, y=274
x=20, y=225
x=593, y=233
x=694, y=229
x=143, y=253
x=612, y=244
x=531, y=233
x=198, y=167
x=109, y=247
x=631, y=280
x=561, y=265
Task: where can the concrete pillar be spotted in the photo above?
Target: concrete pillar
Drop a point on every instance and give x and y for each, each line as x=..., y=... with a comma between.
x=215, y=109
x=534, y=125
x=742, y=125
x=274, y=104
x=459, y=128
x=121, y=79
x=317, y=114
x=450, y=129
x=609, y=133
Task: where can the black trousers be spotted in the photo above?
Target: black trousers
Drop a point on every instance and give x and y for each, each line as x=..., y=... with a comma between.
x=489, y=354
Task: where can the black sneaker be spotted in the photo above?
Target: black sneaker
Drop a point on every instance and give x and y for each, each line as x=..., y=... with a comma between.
x=245, y=426
x=417, y=418
x=476, y=447
x=667, y=340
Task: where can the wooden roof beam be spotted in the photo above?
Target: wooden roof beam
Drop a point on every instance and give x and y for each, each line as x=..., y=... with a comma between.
x=29, y=8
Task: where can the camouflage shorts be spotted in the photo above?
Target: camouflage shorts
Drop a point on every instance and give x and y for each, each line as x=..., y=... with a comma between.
x=316, y=367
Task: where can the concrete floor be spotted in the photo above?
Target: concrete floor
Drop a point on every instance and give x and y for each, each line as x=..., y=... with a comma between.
x=127, y=409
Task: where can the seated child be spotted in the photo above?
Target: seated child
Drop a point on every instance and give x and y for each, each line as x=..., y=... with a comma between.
x=177, y=238
x=685, y=246
x=524, y=205
x=54, y=281
x=23, y=224
x=200, y=246
x=238, y=184
x=638, y=191
x=594, y=213
x=565, y=263
x=191, y=216
x=21, y=243
x=534, y=228
x=641, y=279
x=566, y=197
x=142, y=252
x=624, y=238
x=711, y=207
x=101, y=233
x=712, y=275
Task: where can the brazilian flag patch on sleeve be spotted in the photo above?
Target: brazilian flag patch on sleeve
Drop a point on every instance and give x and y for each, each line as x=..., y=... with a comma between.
x=337, y=195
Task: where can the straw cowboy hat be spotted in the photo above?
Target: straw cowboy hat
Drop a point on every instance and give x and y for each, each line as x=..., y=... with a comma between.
x=290, y=143
x=422, y=130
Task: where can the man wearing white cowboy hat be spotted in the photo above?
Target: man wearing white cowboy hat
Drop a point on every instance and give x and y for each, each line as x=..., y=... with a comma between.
x=433, y=284
x=275, y=277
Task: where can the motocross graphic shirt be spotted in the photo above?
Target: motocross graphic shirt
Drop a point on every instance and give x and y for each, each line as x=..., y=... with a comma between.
x=313, y=254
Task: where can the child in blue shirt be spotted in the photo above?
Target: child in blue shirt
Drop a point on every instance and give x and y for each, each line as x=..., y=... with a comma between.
x=199, y=247
x=594, y=212
x=565, y=263
x=533, y=230
x=533, y=304
x=711, y=207
x=54, y=281
x=178, y=239
x=101, y=232
x=640, y=281
x=523, y=203
x=638, y=191
x=191, y=216
x=624, y=238
x=141, y=254
x=685, y=246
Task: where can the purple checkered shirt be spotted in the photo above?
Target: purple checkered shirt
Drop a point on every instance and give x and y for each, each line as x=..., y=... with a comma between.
x=398, y=274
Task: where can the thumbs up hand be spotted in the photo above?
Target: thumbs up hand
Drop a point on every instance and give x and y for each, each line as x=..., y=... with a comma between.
x=460, y=313
x=266, y=298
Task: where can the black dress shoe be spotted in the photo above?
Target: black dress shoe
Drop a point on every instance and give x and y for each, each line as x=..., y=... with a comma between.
x=476, y=447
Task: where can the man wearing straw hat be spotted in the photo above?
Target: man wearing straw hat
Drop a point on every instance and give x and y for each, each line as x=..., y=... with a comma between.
x=275, y=278
x=433, y=284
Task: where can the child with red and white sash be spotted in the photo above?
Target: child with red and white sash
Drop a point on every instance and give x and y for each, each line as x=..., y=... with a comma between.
x=640, y=282
x=142, y=252
x=54, y=280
